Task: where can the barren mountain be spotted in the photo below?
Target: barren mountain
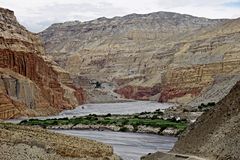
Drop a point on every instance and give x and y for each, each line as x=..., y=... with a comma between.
x=30, y=83
x=161, y=56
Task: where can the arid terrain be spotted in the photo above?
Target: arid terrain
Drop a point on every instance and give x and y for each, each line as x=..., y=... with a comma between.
x=191, y=62
x=162, y=56
x=28, y=143
x=30, y=83
x=215, y=135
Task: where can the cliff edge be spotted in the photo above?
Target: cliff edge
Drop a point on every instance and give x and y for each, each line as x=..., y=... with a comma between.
x=30, y=83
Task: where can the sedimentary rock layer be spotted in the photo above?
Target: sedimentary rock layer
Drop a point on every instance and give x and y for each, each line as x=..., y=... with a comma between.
x=30, y=83
x=186, y=57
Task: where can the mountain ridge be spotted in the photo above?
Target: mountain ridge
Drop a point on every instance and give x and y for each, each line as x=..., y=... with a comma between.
x=142, y=54
x=137, y=15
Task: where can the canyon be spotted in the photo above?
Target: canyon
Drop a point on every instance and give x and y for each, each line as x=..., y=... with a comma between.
x=30, y=83
x=161, y=56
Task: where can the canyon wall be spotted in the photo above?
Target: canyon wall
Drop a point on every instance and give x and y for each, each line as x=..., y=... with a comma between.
x=162, y=56
x=30, y=83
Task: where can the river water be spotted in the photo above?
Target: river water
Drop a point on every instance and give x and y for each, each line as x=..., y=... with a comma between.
x=115, y=108
x=105, y=108
x=129, y=146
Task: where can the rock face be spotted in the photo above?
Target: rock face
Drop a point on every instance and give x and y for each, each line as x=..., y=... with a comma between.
x=215, y=135
x=30, y=83
x=160, y=56
x=26, y=143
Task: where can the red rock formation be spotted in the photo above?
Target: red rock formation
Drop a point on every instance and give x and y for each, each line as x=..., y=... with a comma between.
x=29, y=83
x=36, y=69
x=7, y=107
x=138, y=92
x=170, y=93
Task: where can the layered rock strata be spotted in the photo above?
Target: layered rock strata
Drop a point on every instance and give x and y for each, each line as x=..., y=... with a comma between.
x=30, y=83
x=162, y=56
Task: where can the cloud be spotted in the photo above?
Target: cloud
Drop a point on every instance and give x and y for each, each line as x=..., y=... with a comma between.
x=39, y=14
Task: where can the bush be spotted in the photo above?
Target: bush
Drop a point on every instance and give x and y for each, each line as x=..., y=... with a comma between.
x=135, y=128
x=24, y=122
x=159, y=112
x=98, y=85
x=108, y=115
x=211, y=104
x=92, y=115
x=55, y=122
x=125, y=121
x=135, y=116
x=173, y=119
x=154, y=117
x=123, y=129
x=205, y=107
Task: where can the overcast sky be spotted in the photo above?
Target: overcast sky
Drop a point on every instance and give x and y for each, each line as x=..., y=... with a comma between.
x=37, y=15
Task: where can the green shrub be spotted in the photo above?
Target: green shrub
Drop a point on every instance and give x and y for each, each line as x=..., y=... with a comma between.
x=125, y=121
x=123, y=129
x=154, y=117
x=24, y=122
x=108, y=115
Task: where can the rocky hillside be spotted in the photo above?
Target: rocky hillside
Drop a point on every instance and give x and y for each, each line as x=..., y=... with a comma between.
x=30, y=83
x=159, y=56
x=28, y=143
x=215, y=134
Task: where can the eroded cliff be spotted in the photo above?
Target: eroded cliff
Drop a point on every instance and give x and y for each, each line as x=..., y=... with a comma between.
x=161, y=56
x=30, y=83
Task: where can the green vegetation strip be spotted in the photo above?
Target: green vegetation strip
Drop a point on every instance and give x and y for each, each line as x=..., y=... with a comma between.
x=109, y=120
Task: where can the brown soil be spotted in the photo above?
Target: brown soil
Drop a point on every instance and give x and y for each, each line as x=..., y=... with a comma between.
x=216, y=134
x=27, y=143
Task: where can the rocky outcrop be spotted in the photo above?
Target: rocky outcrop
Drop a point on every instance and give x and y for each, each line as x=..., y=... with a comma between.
x=203, y=65
x=215, y=134
x=139, y=92
x=19, y=142
x=160, y=56
x=30, y=83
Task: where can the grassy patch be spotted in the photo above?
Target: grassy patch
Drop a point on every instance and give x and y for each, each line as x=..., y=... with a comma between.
x=120, y=121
